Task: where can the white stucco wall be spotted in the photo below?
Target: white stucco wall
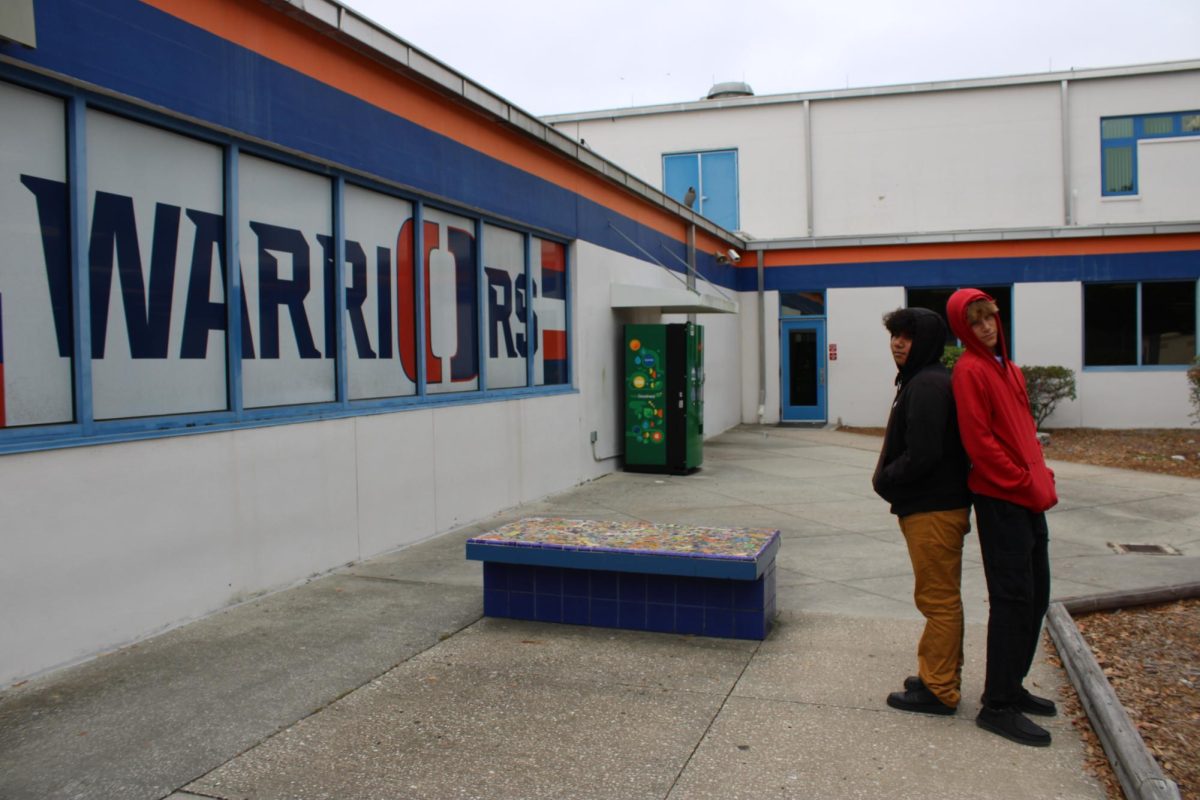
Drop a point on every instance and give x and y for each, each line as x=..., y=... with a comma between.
x=752, y=326
x=1167, y=169
x=961, y=160
x=861, y=384
x=1049, y=329
x=1128, y=399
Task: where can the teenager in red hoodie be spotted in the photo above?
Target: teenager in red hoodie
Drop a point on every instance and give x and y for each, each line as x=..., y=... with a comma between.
x=1011, y=489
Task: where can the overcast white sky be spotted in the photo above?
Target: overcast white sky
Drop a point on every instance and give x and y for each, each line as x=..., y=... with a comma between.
x=556, y=56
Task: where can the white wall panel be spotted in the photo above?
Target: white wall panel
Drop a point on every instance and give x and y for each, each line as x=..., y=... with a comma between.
x=393, y=459
x=1164, y=187
x=1049, y=318
x=861, y=381
x=938, y=161
x=158, y=532
x=554, y=446
x=1133, y=399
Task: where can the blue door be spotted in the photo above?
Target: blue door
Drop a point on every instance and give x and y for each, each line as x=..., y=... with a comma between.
x=802, y=380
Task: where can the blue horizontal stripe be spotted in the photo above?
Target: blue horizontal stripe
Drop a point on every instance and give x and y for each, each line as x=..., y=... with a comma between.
x=136, y=50
x=979, y=271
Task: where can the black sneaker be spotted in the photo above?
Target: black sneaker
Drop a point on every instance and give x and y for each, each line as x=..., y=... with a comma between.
x=920, y=700
x=1012, y=725
x=1027, y=703
x=912, y=683
x=1032, y=704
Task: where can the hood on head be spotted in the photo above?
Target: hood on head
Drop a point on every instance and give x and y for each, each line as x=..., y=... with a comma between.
x=929, y=342
x=956, y=313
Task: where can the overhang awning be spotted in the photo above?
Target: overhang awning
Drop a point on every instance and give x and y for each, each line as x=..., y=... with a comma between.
x=670, y=300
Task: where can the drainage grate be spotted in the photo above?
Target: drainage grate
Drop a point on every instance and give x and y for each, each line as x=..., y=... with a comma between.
x=1145, y=549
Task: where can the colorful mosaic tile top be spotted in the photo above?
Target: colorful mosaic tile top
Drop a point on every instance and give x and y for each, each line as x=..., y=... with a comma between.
x=638, y=538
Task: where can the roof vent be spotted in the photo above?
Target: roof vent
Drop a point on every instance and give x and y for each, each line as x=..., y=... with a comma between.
x=731, y=89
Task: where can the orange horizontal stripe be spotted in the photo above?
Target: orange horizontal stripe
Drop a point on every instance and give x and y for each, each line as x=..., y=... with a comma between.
x=1028, y=248
x=554, y=345
x=257, y=27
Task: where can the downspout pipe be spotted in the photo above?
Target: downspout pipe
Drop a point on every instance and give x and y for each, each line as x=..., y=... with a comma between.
x=762, y=343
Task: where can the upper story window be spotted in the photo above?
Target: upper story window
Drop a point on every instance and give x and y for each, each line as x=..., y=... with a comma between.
x=1119, y=137
x=705, y=181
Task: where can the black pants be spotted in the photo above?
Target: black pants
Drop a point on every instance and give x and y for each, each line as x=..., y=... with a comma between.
x=1014, y=542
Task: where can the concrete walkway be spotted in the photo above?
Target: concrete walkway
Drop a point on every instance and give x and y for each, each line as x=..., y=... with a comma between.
x=382, y=681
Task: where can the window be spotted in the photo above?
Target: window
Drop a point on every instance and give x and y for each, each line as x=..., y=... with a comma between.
x=935, y=299
x=712, y=179
x=36, y=336
x=1139, y=324
x=418, y=310
x=1119, y=137
x=801, y=304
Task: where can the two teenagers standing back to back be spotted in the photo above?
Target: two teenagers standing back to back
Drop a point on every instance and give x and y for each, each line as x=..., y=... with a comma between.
x=937, y=426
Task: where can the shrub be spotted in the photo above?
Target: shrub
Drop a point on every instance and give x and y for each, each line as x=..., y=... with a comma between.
x=1193, y=376
x=1046, y=387
x=950, y=356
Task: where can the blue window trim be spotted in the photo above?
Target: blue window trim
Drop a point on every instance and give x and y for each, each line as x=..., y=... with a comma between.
x=1139, y=366
x=1139, y=133
x=86, y=430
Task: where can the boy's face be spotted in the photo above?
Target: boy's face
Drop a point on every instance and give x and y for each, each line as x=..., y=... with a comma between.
x=901, y=345
x=986, y=331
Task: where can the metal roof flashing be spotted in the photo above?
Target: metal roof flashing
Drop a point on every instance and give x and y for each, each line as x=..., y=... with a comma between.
x=669, y=300
x=372, y=40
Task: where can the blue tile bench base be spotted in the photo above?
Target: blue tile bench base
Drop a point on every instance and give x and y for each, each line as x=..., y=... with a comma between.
x=728, y=608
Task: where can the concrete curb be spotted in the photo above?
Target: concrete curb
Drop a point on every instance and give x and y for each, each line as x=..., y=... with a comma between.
x=1139, y=774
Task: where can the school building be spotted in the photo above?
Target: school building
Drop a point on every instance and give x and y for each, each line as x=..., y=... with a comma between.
x=280, y=292
x=1069, y=196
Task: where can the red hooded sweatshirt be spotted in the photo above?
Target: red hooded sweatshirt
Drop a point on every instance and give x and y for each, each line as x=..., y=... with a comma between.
x=994, y=417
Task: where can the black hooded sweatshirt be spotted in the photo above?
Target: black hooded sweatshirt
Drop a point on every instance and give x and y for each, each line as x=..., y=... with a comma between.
x=923, y=466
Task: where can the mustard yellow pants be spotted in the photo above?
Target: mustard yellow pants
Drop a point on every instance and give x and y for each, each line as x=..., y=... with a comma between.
x=935, y=545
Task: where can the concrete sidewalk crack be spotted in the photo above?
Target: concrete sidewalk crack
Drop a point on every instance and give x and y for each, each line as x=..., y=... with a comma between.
x=724, y=701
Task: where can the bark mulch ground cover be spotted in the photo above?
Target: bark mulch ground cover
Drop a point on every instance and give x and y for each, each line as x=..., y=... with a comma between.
x=1150, y=654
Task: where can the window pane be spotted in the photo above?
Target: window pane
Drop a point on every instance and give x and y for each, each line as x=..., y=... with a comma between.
x=1118, y=169
x=718, y=188
x=156, y=270
x=288, y=339
x=802, y=304
x=805, y=362
x=1168, y=322
x=550, y=301
x=374, y=324
x=507, y=307
x=36, y=334
x=451, y=322
x=680, y=173
x=1191, y=123
x=1109, y=324
x=1121, y=128
x=1158, y=126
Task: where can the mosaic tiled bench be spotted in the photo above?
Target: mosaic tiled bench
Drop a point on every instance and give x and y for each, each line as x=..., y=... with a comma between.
x=665, y=578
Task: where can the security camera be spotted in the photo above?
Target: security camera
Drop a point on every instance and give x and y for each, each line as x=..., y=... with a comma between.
x=730, y=256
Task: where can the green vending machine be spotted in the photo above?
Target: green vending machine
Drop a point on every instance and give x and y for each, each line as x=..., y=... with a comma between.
x=664, y=398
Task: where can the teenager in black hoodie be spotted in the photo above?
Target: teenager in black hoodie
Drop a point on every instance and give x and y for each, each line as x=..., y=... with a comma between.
x=922, y=472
